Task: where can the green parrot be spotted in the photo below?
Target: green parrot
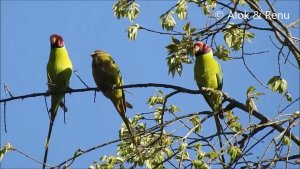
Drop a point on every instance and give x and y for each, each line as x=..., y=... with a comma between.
x=107, y=75
x=59, y=70
x=208, y=73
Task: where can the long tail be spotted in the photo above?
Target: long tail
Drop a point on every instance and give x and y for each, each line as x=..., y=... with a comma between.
x=217, y=121
x=47, y=143
x=218, y=126
x=121, y=108
x=126, y=121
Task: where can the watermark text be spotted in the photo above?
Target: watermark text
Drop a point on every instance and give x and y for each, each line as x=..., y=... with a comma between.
x=254, y=15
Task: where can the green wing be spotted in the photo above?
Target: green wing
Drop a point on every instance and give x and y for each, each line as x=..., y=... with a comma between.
x=219, y=76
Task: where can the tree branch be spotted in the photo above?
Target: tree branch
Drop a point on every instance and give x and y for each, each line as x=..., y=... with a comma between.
x=233, y=103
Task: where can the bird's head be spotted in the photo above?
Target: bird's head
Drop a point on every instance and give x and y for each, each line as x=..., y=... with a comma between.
x=201, y=48
x=56, y=41
x=95, y=53
x=98, y=53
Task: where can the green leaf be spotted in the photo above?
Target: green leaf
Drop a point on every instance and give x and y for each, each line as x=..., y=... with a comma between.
x=250, y=90
x=288, y=97
x=173, y=109
x=5, y=149
x=110, y=162
x=206, y=10
x=251, y=96
x=251, y=93
x=234, y=35
x=198, y=164
x=207, y=6
x=181, y=9
x=286, y=141
x=188, y=30
x=182, y=146
x=179, y=53
x=196, y=122
x=168, y=152
x=249, y=36
x=197, y=146
x=251, y=105
x=234, y=152
x=157, y=114
x=232, y=121
x=187, y=27
x=201, y=155
x=132, y=31
x=167, y=21
x=212, y=155
x=277, y=84
x=120, y=9
x=126, y=9
x=222, y=53
x=133, y=10
x=176, y=41
x=184, y=156
x=157, y=98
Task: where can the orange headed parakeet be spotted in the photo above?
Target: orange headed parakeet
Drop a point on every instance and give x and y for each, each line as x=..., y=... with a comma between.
x=59, y=70
x=208, y=73
x=107, y=75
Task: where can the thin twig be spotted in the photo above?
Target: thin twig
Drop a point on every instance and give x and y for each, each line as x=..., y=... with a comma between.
x=75, y=72
x=7, y=91
x=84, y=152
x=5, y=128
x=30, y=157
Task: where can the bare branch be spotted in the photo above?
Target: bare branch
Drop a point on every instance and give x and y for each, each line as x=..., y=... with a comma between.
x=232, y=102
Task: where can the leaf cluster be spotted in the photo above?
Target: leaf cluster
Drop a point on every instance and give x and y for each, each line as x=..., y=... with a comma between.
x=126, y=9
x=234, y=36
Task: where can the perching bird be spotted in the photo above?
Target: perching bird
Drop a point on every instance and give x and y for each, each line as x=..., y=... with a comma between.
x=208, y=73
x=59, y=70
x=107, y=75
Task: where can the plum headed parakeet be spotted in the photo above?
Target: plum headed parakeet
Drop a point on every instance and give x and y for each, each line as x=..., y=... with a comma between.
x=59, y=70
x=107, y=76
x=208, y=73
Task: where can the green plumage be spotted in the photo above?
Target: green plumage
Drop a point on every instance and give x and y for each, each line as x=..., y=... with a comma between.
x=59, y=70
x=107, y=75
x=208, y=74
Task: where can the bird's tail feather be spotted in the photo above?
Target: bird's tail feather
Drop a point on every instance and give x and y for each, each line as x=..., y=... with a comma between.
x=212, y=105
x=215, y=109
x=218, y=126
x=128, y=105
x=56, y=100
x=63, y=106
x=47, y=143
x=122, y=111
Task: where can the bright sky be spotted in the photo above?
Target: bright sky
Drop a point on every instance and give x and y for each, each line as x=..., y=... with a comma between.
x=90, y=25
